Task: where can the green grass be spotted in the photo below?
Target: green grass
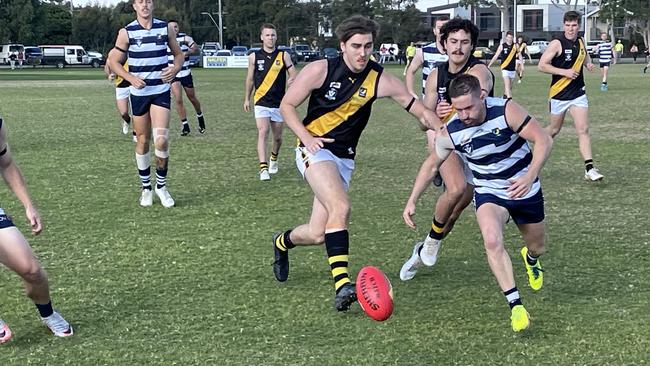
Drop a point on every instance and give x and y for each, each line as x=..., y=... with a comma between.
x=193, y=284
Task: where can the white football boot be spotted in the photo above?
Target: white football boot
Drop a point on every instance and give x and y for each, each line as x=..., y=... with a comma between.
x=125, y=127
x=273, y=167
x=593, y=175
x=165, y=198
x=410, y=267
x=59, y=326
x=429, y=252
x=146, y=198
x=264, y=175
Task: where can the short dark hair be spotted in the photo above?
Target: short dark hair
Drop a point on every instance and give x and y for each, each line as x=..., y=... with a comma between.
x=356, y=24
x=571, y=15
x=442, y=18
x=266, y=26
x=457, y=24
x=172, y=21
x=509, y=33
x=464, y=84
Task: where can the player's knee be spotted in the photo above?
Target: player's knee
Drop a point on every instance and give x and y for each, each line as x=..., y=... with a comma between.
x=339, y=211
x=492, y=243
x=161, y=142
x=582, y=130
x=263, y=129
x=318, y=236
x=455, y=191
x=32, y=273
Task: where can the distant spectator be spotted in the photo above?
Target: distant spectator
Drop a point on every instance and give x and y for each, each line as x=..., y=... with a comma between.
x=618, y=51
x=383, y=52
x=12, y=60
x=410, y=54
x=21, y=58
x=634, y=50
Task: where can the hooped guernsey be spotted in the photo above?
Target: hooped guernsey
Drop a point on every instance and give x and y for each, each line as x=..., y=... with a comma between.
x=445, y=77
x=340, y=108
x=572, y=57
x=508, y=56
x=270, y=78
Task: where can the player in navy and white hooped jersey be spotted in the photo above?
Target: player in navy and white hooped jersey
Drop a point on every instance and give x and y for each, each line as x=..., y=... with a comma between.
x=494, y=135
x=605, y=56
x=428, y=58
x=143, y=43
x=184, y=81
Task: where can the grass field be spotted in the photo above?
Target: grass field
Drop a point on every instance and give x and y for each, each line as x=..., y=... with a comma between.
x=193, y=285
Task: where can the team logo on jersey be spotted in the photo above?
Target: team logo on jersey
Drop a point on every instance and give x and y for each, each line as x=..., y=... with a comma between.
x=442, y=90
x=496, y=131
x=331, y=94
x=350, y=151
x=138, y=41
x=260, y=65
x=277, y=62
x=567, y=55
x=363, y=92
x=466, y=146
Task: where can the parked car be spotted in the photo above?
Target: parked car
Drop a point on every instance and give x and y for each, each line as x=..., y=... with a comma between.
x=66, y=55
x=196, y=58
x=536, y=48
x=7, y=50
x=223, y=53
x=253, y=49
x=483, y=53
x=33, y=55
x=305, y=53
x=292, y=53
x=210, y=48
x=96, y=59
x=330, y=53
x=592, y=47
x=239, y=50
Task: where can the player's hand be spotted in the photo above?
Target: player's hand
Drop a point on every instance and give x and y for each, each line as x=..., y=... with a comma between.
x=443, y=109
x=570, y=74
x=590, y=67
x=316, y=143
x=34, y=219
x=111, y=77
x=407, y=215
x=520, y=186
x=168, y=73
x=137, y=82
x=247, y=106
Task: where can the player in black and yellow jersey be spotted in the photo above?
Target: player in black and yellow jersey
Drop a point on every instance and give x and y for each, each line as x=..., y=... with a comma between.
x=341, y=92
x=121, y=97
x=458, y=38
x=564, y=59
x=267, y=71
x=508, y=52
x=522, y=53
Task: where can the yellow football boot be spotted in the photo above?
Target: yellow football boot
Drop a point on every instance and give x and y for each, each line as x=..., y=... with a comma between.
x=535, y=273
x=519, y=318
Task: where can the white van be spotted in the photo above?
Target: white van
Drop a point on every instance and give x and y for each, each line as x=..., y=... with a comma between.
x=62, y=55
x=7, y=49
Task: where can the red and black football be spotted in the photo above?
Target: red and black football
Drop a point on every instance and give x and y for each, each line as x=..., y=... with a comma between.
x=374, y=293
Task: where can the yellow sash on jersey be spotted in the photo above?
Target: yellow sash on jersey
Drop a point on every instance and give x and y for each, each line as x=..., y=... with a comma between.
x=565, y=81
x=330, y=120
x=511, y=55
x=118, y=79
x=270, y=77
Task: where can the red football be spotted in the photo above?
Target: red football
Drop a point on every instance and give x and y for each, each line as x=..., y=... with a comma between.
x=374, y=292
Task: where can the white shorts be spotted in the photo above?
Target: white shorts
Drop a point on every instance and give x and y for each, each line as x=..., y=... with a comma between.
x=561, y=106
x=508, y=74
x=266, y=112
x=518, y=62
x=122, y=93
x=345, y=166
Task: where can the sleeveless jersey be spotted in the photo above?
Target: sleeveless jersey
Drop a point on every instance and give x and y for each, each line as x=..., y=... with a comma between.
x=605, y=53
x=270, y=78
x=185, y=69
x=508, y=56
x=432, y=57
x=341, y=107
x=494, y=152
x=147, y=56
x=445, y=77
x=572, y=57
x=119, y=82
x=522, y=49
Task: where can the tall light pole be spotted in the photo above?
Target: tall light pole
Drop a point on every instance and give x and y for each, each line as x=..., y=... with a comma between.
x=219, y=26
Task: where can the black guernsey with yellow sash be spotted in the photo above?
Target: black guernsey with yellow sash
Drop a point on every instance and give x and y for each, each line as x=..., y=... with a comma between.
x=270, y=78
x=445, y=77
x=572, y=57
x=341, y=107
x=122, y=83
x=508, y=56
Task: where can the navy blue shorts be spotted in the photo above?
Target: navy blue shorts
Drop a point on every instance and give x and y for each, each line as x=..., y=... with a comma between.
x=603, y=64
x=140, y=105
x=5, y=221
x=526, y=211
x=186, y=81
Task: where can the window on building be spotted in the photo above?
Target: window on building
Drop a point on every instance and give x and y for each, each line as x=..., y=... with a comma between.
x=489, y=22
x=533, y=20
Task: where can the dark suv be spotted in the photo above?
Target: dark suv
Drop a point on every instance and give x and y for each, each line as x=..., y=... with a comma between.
x=305, y=53
x=33, y=55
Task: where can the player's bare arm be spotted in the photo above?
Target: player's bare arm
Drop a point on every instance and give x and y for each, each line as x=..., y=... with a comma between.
x=425, y=175
x=554, y=49
x=484, y=76
x=291, y=68
x=16, y=182
x=496, y=55
x=248, y=85
x=391, y=86
x=169, y=73
x=528, y=128
x=413, y=68
x=309, y=78
x=117, y=57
